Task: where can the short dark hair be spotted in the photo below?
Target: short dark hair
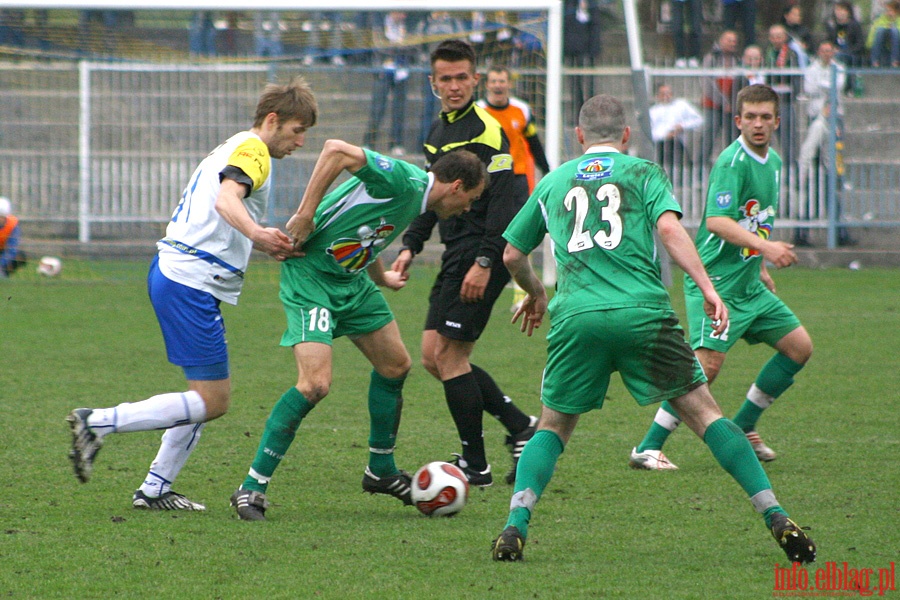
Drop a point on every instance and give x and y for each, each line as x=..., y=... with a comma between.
x=294, y=100
x=500, y=68
x=453, y=51
x=463, y=165
x=602, y=119
x=756, y=93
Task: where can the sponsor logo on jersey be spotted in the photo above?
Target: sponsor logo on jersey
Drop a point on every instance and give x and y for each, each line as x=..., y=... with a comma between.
x=723, y=199
x=384, y=163
x=355, y=254
x=594, y=168
x=500, y=162
x=754, y=220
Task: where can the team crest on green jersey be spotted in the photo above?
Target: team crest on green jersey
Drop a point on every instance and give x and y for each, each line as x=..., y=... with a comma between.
x=384, y=163
x=355, y=254
x=594, y=168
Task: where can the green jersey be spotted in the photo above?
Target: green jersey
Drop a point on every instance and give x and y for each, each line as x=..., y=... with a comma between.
x=361, y=217
x=600, y=211
x=744, y=187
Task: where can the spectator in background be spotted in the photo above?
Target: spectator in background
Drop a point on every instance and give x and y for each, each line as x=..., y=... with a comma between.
x=581, y=47
x=779, y=55
x=844, y=31
x=718, y=93
x=202, y=34
x=687, y=42
x=267, y=28
x=752, y=62
x=740, y=13
x=800, y=37
x=517, y=120
x=883, y=40
x=391, y=80
x=330, y=24
x=669, y=118
x=437, y=26
x=817, y=86
x=11, y=258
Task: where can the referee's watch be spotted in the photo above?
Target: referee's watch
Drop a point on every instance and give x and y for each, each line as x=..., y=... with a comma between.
x=484, y=262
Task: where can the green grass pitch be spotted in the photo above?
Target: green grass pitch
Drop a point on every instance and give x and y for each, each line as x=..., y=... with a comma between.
x=89, y=338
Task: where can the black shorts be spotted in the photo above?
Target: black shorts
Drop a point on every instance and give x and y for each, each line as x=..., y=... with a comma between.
x=447, y=313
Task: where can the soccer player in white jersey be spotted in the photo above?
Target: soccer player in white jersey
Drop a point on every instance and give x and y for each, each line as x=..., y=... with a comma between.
x=201, y=263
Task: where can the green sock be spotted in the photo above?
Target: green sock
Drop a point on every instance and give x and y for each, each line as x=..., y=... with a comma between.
x=536, y=466
x=664, y=423
x=730, y=447
x=385, y=406
x=281, y=427
x=775, y=377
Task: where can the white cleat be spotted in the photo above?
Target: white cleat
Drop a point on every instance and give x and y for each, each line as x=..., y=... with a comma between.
x=652, y=460
x=763, y=452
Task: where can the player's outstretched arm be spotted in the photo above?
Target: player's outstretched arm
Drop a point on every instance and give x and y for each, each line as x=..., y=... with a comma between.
x=682, y=250
x=534, y=306
x=778, y=253
x=230, y=205
x=336, y=156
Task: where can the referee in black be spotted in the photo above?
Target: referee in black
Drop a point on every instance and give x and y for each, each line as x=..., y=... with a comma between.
x=472, y=274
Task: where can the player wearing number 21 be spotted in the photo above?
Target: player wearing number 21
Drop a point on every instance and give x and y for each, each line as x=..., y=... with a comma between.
x=611, y=312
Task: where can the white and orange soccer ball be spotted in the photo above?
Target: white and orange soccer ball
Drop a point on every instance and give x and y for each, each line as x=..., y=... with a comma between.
x=49, y=266
x=440, y=489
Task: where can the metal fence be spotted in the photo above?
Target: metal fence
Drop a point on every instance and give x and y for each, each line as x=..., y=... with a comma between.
x=101, y=150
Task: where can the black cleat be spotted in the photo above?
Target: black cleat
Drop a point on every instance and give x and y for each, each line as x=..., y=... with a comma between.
x=168, y=501
x=516, y=443
x=793, y=540
x=508, y=545
x=85, y=444
x=250, y=505
x=477, y=478
x=398, y=486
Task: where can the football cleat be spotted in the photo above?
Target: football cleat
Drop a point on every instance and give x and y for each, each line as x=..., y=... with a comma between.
x=763, y=452
x=516, y=443
x=399, y=486
x=792, y=539
x=477, y=478
x=652, y=460
x=168, y=501
x=250, y=505
x=508, y=545
x=85, y=444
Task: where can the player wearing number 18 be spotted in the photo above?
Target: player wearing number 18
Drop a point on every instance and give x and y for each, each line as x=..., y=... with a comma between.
x=611, y=312
x=331, y=292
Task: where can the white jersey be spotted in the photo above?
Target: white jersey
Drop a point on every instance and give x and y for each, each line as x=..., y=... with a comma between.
x=201, y=250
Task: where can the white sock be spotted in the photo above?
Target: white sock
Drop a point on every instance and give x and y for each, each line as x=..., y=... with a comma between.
x=159, y=412
x=177, y=445
x=666, y=419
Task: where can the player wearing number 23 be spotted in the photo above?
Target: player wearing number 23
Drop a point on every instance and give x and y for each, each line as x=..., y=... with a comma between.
x=611, y=313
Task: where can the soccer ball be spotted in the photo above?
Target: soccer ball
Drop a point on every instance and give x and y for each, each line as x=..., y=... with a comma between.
x=440, y=489
x=49, y=266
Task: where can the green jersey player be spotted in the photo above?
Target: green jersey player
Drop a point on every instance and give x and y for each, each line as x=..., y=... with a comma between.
x=331, y=292
x=734, y=242
x=612, y=313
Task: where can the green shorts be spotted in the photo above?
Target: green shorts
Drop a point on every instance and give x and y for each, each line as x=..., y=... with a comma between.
x=320, y=306
x=759, y=317
x=645, y=345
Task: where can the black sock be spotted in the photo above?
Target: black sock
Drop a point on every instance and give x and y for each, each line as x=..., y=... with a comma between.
x=499, y=405
x=466, y=406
